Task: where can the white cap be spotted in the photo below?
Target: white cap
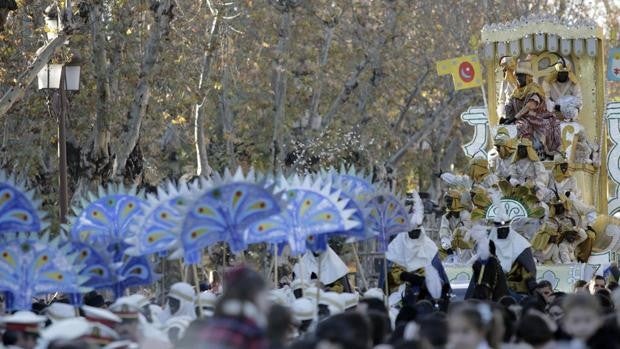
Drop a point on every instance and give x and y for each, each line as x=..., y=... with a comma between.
x=122, y=345
x=350, y=300
x=126, y=308
x=139, y=300
x=374, y=293
x=182, y=291
x=23, y=321
x=303, y=309
x=60, y=311
x=102, y=316
x=207, y=302
x=101, y=334
x=279, y=296
x=334, y=302
x=67, y=329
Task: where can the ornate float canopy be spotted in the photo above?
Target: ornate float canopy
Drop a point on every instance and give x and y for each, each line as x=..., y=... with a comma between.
x=535, y=34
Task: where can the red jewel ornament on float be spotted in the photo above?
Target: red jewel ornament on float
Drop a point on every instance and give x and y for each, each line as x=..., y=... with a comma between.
x=466, y=72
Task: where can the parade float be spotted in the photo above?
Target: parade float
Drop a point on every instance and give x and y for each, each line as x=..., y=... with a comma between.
x=566, y=135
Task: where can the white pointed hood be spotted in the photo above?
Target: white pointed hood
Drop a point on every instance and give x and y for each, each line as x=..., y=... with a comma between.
x=508, y=249
x=411, y=254
x=332, y=267
x=186, y=296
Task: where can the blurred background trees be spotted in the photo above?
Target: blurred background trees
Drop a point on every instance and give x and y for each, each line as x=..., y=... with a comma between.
x=176, y=89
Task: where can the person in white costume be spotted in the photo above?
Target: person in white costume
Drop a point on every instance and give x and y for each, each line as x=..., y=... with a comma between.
x=562, y=91
x=325, y=267
x=180, y=302
x=417, y=269
x=514, y=254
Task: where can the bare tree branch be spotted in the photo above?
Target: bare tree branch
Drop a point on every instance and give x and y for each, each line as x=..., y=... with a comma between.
x=423, y=132
x=409, y=100
x=15, y=93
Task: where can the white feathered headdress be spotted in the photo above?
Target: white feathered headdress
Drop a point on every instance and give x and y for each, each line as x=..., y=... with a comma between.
x=479, y=233
x=417, y=216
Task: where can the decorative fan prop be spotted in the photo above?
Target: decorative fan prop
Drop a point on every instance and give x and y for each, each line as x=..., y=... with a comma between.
x=356, y=189
x=312, y=209
x=223, y=212
x=19, y=211
x=157, y=229
x=98, y=234
x=31, y=265
x=387, y=216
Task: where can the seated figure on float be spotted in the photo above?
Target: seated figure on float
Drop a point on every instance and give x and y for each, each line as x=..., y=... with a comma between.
x=500, y=157
x=562, y=91
x=480, y=174
x=560, y=234
x=325, y=268
x=562, y=180
x=527, y=109
x=509, y=83
x=453, y=228
x=417, y=273
x=526, y=166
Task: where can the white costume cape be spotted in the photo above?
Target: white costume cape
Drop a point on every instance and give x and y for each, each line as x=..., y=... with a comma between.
x=508, y=249
x=413, y=254
x=332, y=267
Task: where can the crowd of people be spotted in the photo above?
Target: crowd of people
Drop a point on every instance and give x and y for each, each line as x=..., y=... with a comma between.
x=249, y=315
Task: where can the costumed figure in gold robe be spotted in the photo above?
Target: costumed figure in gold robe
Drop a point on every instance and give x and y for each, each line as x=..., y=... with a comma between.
x=527, y=109
x=526, y=167
x=500, y=157
x=454, y=224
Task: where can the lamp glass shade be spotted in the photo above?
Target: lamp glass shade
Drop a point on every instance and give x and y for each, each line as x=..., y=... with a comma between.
x=72, y=77
x=49, y=76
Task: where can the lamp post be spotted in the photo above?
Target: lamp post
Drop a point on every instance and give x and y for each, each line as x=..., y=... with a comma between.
x=61, y=78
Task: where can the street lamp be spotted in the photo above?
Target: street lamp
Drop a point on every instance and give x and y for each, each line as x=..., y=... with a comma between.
x=52, y=23
x=61, y=78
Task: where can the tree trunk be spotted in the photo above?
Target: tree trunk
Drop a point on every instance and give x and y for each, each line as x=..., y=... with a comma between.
x=227, y=119
x=279, y=85
x=203, y=167
x=162, y=11
x=100, y=150
x=17, y=92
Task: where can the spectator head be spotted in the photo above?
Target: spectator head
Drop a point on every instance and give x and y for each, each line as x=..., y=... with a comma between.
x=582, y=316
x=348, y=330
x=468, y=324
x=433, y=329
x=597, y=283
x=534, y=330
x=281, y=326
x=245, y=295
x=579, y=286
x=545, y=289
x=555, y=310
